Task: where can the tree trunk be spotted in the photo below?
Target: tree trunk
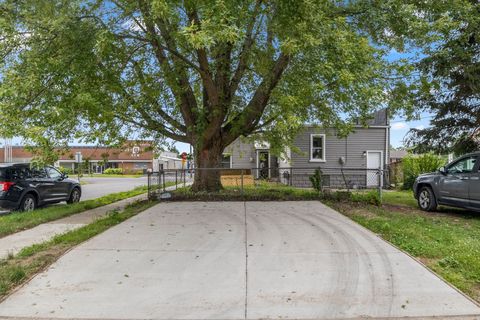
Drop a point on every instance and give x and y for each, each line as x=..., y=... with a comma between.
x=207, y=169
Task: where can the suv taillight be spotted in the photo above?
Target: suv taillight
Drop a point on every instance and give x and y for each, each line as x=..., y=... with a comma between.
x=5, y=186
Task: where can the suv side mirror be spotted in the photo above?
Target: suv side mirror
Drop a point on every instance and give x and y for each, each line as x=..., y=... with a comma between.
x=442, y=170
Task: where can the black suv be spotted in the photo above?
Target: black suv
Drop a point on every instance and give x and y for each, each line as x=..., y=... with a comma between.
x=25, y=187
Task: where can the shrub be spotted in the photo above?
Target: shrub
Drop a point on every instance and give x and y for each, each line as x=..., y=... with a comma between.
x=113, y=171
x=316, y=180
x=414, y=166
x=65, y=170
x=371, y=197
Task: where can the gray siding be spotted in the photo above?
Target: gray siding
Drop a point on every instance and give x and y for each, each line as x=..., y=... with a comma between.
x=241, y=152
x=351, y=147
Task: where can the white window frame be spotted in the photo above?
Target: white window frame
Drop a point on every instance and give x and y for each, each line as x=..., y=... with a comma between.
x=231, y=159
x=313, y=135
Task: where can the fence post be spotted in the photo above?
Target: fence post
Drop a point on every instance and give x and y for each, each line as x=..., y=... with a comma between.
x=242, y=182
x=149, y=177
x=184, y=178
x=164, y=184
x=291, y=176
x=379, y=173
x=176, y=179
x=159, y=183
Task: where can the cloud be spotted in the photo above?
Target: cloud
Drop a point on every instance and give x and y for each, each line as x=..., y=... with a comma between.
x=399, y=126
x=420, y=127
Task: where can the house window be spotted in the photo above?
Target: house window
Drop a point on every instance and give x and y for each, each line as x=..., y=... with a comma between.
x=226, y=161
x=317, y=147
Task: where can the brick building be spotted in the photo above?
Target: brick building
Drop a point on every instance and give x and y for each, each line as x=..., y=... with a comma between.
x=136, y=156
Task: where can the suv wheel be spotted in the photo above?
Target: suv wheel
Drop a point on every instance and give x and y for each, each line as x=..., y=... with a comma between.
x=29, y=203
x=426, y=199
x=74, y=196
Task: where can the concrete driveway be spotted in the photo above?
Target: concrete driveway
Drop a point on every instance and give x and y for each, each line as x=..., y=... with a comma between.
x=236, y=260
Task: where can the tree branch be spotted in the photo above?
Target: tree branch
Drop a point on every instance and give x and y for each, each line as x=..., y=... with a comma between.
x=143, y=85
x=205, y=73
x=176, y=77
x=243, y=57
x=246, y=121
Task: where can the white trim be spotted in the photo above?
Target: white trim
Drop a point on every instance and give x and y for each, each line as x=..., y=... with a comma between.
x=387, y=147
x=312, y=135
x=381, y=164
x=231, y=158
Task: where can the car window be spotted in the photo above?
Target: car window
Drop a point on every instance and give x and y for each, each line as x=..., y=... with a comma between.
x=19, y=173
x=463, y=166
x=53, y=173
x=3, y=173
x=39, y=173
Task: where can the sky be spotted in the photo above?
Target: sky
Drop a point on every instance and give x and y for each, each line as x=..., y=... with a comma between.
x=399, y=128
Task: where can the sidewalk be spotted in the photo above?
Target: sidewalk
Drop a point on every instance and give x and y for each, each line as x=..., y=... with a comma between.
x=13, y=243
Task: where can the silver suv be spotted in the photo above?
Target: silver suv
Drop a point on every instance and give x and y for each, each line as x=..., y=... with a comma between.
x=457, y=184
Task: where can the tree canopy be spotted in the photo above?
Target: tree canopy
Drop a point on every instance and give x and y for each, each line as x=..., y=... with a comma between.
x=203, y=72
x=453, y=66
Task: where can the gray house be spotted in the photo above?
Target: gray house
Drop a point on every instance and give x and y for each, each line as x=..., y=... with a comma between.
x=343, y=161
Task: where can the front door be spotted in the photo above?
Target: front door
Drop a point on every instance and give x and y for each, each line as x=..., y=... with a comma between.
x=263, y=164
x=454, y=185
x=374, y=164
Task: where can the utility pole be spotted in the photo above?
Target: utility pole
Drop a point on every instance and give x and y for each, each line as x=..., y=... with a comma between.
x=8, y=155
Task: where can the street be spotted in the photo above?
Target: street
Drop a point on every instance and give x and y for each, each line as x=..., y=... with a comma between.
x=99, y=187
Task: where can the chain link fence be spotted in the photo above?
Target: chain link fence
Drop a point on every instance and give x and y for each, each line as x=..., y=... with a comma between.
x=329, y=178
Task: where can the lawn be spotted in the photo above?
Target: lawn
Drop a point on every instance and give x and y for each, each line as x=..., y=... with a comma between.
x=448, y=241
x=396, y=197
x=17, y=221
x=17, y=269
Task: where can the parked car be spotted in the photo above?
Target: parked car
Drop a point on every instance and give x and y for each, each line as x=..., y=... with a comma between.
x=456, y=184
x=24, y=187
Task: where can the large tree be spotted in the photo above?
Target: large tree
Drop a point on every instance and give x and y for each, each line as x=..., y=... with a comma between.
x=201, y=72
x=453, y=65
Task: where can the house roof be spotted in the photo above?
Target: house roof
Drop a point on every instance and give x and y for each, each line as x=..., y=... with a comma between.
x=398, y=154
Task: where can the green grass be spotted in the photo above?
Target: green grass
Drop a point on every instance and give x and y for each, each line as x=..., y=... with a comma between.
x=17, y=269
x=448, y=242
x=396, y=197
x=263, y=191
x=17, y=221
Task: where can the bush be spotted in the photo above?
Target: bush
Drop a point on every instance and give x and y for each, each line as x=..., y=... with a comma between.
x=414, y=166
x=371, y=197
x=65, y=170
x=113, y=171
x=316, y=180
